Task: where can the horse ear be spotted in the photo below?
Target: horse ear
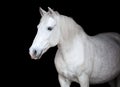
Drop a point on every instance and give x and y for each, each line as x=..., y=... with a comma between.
x=50, y=10
x=42, y=12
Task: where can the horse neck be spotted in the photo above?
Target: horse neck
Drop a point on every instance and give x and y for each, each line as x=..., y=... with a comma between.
x=71, y=32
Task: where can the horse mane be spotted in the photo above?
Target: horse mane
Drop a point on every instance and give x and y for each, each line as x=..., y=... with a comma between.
x=69, y=28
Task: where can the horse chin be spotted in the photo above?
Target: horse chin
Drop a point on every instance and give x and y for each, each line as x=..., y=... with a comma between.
x=39, y=56
x=36, y=57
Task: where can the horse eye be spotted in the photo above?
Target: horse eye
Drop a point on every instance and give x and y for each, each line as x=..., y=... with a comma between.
x=49, y=28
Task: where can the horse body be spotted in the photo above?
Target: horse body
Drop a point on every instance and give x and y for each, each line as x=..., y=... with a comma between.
x=107, y=58
x=80, y=57
x=94, y=62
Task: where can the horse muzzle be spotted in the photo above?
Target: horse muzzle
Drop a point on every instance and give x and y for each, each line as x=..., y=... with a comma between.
x=35, y=54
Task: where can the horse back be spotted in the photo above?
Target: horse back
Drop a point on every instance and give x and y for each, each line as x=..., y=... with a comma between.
x=112, y=36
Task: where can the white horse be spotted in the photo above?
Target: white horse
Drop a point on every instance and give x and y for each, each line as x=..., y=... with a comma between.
x=81, y=58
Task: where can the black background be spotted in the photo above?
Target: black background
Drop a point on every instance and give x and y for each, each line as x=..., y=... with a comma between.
x=95, y=17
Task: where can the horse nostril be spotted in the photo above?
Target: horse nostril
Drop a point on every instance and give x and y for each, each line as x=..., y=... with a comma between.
x=34, y=52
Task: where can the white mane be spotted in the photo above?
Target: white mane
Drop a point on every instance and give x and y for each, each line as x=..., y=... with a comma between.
x=69, y=28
